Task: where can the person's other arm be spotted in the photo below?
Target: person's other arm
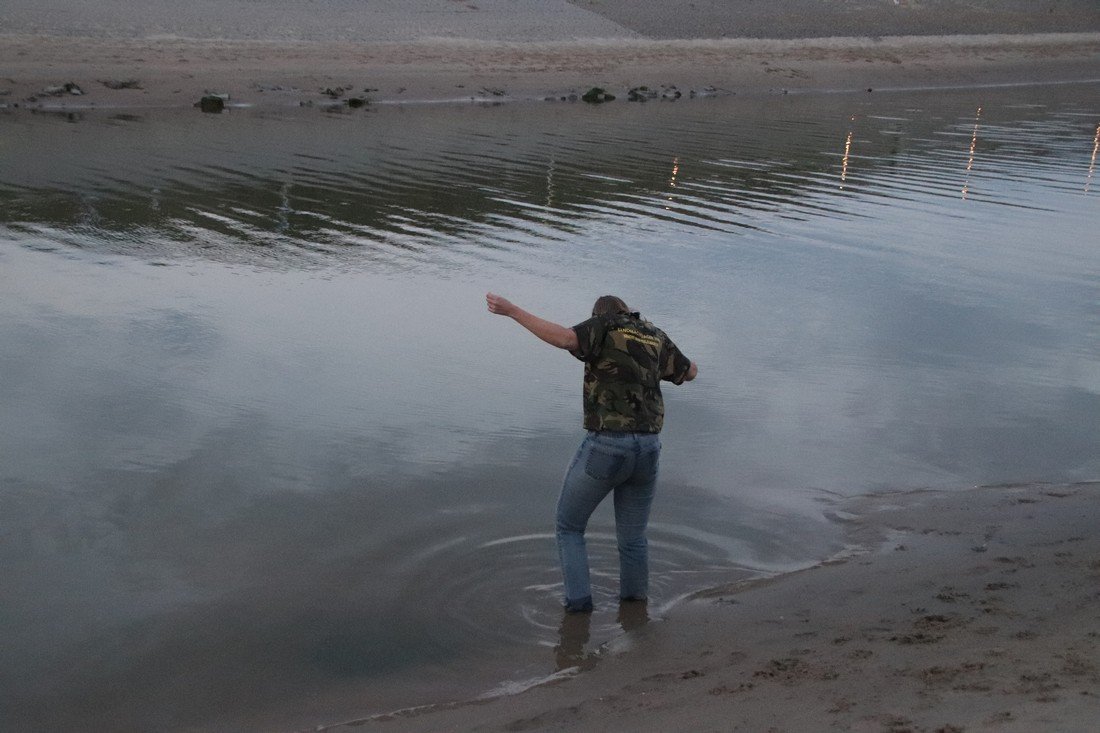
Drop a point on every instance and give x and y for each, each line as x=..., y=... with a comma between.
x=552, y=333
x=673, y=364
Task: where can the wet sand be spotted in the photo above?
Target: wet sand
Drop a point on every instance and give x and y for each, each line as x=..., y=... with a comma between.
x=977, y=610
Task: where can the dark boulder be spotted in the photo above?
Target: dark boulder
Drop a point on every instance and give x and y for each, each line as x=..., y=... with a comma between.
x=597, y=95
x=212, y=103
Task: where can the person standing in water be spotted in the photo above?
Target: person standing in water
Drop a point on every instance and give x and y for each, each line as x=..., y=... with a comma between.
x=625, y=358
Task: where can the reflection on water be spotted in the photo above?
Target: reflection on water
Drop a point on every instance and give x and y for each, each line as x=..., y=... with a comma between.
x=267, y=464
x=1092, y=160
x=436, y=188
x=574, y=649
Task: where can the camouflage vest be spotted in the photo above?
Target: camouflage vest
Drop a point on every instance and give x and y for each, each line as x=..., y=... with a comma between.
x=625, y=358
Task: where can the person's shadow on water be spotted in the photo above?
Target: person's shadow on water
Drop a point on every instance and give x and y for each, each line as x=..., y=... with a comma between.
x=576, y=630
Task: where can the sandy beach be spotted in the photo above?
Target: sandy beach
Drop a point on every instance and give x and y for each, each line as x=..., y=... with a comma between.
x=178, y=72
x=285, y=53
x=974, y=610
x=968, y=610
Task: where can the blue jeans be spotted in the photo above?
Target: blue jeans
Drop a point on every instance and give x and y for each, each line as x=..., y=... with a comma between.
x=623, y=463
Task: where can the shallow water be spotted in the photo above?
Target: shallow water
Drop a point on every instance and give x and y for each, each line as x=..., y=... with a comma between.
x=267, y=463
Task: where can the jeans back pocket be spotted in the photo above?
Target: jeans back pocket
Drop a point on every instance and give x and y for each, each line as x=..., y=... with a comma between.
x=602, y=465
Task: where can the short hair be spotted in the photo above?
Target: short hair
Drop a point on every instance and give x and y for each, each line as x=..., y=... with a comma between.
x=608, y=305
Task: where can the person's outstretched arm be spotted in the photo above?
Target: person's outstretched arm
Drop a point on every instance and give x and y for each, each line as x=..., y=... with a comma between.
x=552, y=333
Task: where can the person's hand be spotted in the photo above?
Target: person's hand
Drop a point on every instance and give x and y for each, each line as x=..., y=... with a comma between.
x=500, y=306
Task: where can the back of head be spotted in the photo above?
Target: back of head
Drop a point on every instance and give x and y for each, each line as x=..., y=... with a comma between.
x=609, y=305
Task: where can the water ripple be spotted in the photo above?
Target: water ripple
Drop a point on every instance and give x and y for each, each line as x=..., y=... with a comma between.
x=297, y=197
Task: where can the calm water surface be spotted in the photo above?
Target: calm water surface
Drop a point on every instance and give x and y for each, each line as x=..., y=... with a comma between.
x=266, y=463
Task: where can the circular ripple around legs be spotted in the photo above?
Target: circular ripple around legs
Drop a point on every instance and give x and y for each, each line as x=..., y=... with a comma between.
x=509, y=589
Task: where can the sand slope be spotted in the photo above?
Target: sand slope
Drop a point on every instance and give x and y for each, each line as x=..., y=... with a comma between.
x=824, y=18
